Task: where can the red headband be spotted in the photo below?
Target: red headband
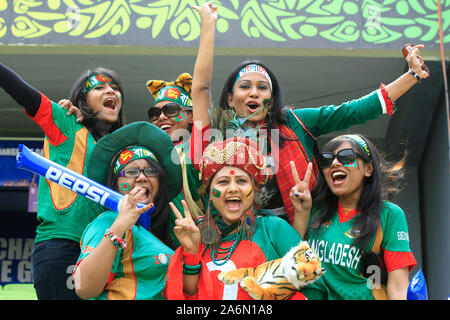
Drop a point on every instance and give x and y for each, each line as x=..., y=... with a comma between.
x=235, y=152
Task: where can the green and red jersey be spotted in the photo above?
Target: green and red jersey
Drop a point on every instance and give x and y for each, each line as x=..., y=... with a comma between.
x=138, y=271
x=61, y=212
x=309, y=123
x=272, y=239
x=334, y=243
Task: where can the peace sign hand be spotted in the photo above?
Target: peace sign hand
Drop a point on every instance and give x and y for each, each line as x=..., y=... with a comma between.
x=185, y=229
x=300, y=194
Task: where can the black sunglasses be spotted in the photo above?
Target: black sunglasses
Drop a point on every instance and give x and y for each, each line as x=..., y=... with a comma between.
x=346, y=157
x=170, y=110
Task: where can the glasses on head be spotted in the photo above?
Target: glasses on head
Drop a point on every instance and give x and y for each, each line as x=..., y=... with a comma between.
x=346, y=157
x=170, y=110
x=135, y=172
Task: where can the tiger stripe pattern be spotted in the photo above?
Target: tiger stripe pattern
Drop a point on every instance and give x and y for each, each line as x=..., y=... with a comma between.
x=278, y=279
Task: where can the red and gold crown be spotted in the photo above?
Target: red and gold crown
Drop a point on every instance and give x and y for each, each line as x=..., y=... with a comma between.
x=236, y=152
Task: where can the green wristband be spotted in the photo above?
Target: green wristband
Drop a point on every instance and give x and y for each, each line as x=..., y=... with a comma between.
x=191, y=270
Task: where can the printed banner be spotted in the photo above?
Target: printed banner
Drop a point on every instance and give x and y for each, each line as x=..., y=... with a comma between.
x=17, y=232
x=10, y=176
x=352, y=24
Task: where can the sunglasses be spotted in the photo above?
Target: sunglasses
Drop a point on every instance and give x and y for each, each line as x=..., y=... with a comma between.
x=170, y=110
x=135, y=172
x=347, y=157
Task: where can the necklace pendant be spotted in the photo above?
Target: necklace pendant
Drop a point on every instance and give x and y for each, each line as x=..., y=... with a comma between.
x=209, y=236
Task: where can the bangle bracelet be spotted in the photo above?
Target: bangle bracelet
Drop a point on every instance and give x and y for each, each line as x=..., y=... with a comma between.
x=191, y=270
x=118, y=242
x=415, y=75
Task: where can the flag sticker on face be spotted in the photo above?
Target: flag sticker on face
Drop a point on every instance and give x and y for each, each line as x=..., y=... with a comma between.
x=215, y=193
x=352, y=164
x=125, y=187
x=179, y=117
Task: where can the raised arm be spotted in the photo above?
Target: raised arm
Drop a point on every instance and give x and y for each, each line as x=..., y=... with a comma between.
x=201, y=82
x=24, y=94
x=402, y=84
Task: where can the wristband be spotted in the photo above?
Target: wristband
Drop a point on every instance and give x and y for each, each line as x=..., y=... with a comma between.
x=118, y=242
x=387, y=100
x=191, y=259
x=415, y=75
x=191, y=263
x=191, y=270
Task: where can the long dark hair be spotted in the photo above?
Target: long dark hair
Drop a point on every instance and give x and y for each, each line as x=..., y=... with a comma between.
x=96, y=127
x=383, y=184
x=160, y=217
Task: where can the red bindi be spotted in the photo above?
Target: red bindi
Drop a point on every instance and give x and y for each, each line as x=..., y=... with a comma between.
x=232, y=172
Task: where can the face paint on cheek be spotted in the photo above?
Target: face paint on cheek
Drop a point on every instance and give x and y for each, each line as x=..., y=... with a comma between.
x=179, y=117
x=249, y=192
x=267, y=103
x=215, y=193
x=353, y=164
x=124, y=186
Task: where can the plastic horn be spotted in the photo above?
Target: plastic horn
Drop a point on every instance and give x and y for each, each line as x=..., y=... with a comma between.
x=31, y=161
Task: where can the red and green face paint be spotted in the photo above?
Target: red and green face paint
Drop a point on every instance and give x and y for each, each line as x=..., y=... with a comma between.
x=215, y=193
x=124, y=187
x=179, y=117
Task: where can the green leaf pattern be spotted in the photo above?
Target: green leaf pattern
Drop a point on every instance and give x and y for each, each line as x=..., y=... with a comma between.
x=338, y=21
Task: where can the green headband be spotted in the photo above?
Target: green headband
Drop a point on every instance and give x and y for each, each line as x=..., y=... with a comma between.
x=94, y=80
x=362, y=143
x=131, y=154
x=175, y=94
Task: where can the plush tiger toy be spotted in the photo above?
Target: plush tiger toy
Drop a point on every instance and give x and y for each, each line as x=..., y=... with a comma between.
x=278, y=279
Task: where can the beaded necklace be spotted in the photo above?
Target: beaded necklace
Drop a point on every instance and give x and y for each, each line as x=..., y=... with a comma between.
x=220, y=250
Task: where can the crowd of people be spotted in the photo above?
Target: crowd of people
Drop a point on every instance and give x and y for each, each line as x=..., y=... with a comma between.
x=220, y=202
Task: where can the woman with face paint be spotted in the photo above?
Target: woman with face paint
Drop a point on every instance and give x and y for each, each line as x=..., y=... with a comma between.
x=236, y=235
x=251, y=105
x=172, y=112
x=361, y=237
x=62, y=214
x=120, y=258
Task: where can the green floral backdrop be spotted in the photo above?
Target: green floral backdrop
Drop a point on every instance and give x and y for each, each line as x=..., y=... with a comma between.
x=295, y=23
